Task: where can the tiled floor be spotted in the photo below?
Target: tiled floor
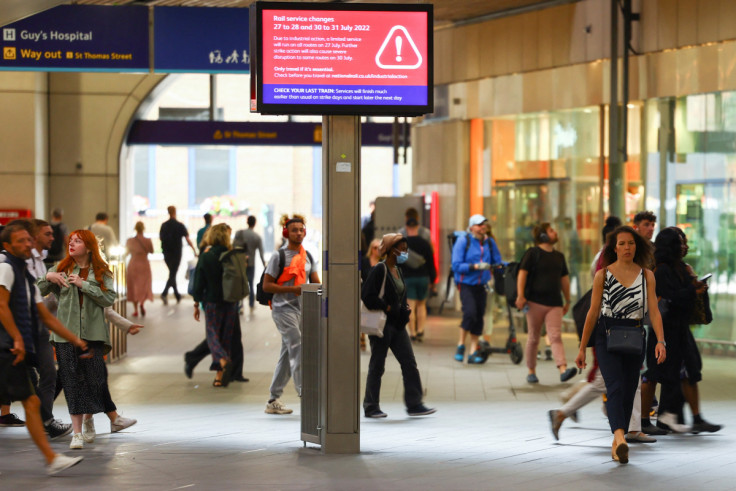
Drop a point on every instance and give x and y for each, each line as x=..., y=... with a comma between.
x=490, y=431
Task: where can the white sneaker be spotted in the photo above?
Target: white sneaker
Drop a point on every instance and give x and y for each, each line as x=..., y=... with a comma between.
x=670, y=420
x=77, y=442
x=61, y=463
x=88, y=430
x=121, y=423
x=277, y=407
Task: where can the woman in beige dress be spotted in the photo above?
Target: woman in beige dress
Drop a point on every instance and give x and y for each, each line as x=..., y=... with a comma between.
x=139, y=277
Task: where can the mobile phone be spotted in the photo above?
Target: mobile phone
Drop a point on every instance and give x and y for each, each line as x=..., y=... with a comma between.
x=706, y=277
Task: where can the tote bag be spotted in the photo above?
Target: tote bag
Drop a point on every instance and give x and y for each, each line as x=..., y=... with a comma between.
x=372, y=322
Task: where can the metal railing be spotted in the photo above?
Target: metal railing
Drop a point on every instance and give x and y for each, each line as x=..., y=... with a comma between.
x=118, y=338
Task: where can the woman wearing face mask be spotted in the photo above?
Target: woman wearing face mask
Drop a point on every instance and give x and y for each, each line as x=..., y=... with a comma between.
x=395, y=337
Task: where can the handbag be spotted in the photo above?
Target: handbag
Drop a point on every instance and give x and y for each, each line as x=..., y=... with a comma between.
x=579, y=313
x=372, y=322
x=415, y=260
x=701, y=314
x=626, y=336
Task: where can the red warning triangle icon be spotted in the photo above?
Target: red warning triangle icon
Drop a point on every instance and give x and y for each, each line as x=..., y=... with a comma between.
x=398, y=51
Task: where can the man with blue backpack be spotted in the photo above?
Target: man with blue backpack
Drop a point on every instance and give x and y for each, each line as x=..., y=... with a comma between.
x=472, y=257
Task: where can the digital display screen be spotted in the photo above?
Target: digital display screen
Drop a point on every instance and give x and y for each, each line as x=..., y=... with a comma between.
x=368, y=59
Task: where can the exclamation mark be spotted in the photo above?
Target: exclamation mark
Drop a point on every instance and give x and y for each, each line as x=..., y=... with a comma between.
x=398, y=48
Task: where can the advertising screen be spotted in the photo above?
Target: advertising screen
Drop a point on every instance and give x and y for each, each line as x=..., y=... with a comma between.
x=368, y=59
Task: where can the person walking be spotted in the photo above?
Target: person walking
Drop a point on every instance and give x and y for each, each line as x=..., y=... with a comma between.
x=43, y=238
x=105, y=232
x=677, y=287
x=284, y=281
x=542, y=276
x=171, y=233
x=591, y=389
x=138, y=275
x=613, y=301
x=220, y=316
x=21, y=306
x=82, y=282
x=394, y=250
x=200, y=233
x=472, y=257
x=61, y=235
x=202, y=350
x=252, y=243
x=419, y=274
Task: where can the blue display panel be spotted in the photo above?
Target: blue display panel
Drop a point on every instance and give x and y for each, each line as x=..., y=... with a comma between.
x=201, y=39
x=79, y=38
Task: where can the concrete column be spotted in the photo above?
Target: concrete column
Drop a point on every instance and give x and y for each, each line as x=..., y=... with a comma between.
x=341, y=239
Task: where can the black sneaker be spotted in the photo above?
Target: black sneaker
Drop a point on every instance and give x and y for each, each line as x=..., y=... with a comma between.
x=375, y=413
x=56, y=429
x=704, y=426
x=11, y=420
x=164, y=299
x=650, y=429
x=547, y=354
x=421, y=410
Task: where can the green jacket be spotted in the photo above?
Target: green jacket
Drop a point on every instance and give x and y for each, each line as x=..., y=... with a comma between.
x=208, y=276
x=88, y=322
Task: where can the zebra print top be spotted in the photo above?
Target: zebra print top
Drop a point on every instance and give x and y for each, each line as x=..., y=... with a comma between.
x=624, y=303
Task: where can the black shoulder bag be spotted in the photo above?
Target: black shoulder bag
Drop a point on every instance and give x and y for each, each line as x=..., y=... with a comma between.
x=626, y=336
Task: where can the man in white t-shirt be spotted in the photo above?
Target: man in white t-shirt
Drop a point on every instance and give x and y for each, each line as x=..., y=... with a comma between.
x=298, y=268
x=20, y=307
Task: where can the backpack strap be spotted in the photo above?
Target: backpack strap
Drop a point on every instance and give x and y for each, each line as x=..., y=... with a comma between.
x=282, y=261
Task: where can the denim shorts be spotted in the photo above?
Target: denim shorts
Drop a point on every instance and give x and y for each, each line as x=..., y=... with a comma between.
x=417, y=288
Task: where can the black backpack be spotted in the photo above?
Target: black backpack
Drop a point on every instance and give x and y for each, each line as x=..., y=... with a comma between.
x=262, y=296
x=510, y=276
x=57, y=246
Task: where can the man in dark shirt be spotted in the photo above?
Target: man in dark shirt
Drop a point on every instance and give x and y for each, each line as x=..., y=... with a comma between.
x=545, y=270
x=171, y=233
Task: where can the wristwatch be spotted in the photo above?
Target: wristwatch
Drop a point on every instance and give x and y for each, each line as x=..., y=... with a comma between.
x=663, y=343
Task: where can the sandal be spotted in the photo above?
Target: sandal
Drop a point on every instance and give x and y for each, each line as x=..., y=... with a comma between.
x=217, y=383
x=227, y=373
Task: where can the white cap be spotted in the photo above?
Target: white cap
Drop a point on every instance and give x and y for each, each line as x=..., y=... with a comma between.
x=476, y=220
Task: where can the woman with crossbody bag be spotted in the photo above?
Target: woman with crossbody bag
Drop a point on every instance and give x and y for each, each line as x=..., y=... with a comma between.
x=386, y=274
x=623, y=292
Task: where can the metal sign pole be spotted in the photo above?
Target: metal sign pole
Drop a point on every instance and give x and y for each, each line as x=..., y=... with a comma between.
x=341, y=291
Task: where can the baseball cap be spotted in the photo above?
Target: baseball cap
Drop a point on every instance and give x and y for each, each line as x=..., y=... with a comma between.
x=476, y=220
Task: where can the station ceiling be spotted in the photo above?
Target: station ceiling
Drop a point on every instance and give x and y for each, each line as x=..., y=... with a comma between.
x=445, y=11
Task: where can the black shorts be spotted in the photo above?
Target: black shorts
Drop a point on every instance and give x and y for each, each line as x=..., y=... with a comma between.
x=15, y=380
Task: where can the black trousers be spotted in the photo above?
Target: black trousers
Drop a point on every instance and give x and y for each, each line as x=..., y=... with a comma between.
x=397, y=340
x=172, y=262
x=621, y=375
x=46, y=387
x=473, y=299
x=201, y=351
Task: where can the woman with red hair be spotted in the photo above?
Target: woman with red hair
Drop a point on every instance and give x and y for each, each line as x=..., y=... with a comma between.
x=82, y=282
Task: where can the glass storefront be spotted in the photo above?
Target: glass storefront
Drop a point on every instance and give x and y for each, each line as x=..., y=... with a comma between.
x=552, y=167
x=546, y=167
x=691, y=146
